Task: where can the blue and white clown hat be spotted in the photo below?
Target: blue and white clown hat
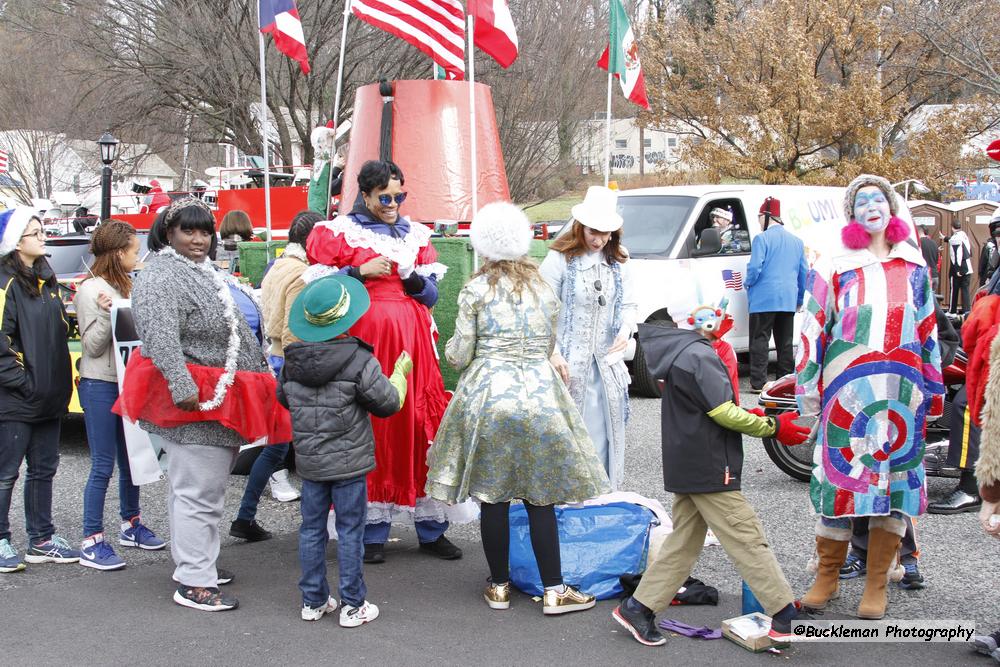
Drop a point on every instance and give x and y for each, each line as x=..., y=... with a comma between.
x=13, y=222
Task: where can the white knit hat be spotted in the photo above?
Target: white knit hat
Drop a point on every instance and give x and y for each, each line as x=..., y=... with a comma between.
x=501, y=231
x=13, y=222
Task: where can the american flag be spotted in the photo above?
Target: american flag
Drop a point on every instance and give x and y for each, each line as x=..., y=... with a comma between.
x=3, y=162
x=436, y=27
x=732, y=279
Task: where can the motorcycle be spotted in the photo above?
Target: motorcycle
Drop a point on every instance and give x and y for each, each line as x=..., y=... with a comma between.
x=797, y=461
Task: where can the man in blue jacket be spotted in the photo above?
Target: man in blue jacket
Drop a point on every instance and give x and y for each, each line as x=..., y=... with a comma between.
x=776, y=281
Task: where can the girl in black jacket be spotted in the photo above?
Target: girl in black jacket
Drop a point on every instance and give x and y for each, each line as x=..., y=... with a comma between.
x=35, y=386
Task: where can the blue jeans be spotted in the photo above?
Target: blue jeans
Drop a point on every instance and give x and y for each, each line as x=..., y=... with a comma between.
x=37, y=442
x=263, y=467
x=350, y=498
x=107, y=445
x=427, y=531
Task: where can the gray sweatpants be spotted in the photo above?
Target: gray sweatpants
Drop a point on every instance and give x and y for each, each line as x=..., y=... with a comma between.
x=197, y=476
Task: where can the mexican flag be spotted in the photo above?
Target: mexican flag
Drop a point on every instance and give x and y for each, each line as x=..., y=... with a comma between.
x=622, y=57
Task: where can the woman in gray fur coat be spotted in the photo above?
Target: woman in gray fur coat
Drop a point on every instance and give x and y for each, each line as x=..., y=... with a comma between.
x=194, y=335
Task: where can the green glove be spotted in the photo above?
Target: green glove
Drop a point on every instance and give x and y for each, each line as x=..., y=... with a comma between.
x=404, y=364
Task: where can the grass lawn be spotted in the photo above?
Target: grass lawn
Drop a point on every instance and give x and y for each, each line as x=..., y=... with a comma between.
x=554, y=209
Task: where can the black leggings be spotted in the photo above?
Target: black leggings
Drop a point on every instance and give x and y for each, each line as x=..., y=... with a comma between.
x=494, y=525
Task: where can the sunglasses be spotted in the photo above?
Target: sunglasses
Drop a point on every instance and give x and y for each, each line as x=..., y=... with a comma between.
x=601, y=301
x=386, y=200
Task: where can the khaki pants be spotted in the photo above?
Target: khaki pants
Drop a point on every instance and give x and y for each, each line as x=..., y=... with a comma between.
x=734, y=522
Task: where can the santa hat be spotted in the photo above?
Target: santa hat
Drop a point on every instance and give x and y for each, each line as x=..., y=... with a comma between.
x=13, y=222
x=501, y=231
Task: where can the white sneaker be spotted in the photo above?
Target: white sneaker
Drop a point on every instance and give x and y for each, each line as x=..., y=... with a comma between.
x=281, y=489
x=352, y=617
x=316, y=613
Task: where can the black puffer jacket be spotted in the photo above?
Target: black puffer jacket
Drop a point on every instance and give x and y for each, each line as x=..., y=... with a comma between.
x=36, y=379
x=330, y=388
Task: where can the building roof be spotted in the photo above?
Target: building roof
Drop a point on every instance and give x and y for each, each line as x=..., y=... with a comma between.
x=134, y=159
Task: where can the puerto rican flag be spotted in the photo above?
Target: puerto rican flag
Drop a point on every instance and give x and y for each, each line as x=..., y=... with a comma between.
x=732, y=279
x=494, y=30
x=280, y=19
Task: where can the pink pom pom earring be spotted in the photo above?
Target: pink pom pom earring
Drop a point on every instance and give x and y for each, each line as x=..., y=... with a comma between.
x=855, y=237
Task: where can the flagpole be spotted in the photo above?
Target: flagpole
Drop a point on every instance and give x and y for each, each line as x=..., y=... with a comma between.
x=607, y=139
x=474, y=164
x=263, y=132
x=336, y=100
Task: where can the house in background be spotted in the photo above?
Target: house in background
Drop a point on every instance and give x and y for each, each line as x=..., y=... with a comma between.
x=67, y=172
x=633, y=151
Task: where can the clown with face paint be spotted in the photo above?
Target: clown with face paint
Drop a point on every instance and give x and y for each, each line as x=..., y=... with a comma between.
x=869, y=368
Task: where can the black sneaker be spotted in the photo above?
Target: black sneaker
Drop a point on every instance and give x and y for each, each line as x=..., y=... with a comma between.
x=251, y=531
x=781, y=630
x=442, y=548
x=204, y=599
x=639, y=621
x=855, y=566
x=912, y=579
x=374, y=554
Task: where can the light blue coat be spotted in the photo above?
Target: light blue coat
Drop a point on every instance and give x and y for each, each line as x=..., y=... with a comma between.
x=776, y=274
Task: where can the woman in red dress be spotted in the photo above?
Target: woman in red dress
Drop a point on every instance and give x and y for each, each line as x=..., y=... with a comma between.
x=397, y=263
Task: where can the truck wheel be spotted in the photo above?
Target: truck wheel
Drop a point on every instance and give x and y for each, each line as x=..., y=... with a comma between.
x=796, y=462
x=644, y=383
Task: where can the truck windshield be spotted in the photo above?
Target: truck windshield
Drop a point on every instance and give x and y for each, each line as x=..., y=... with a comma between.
x=653, y=222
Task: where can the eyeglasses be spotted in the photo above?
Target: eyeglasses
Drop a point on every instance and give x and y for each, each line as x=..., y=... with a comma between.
x=387, y=200
x=38, y=234
x=601, y=301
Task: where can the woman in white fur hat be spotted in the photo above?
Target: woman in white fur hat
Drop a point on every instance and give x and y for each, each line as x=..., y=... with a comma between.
x=587, y=268
x=511, y=430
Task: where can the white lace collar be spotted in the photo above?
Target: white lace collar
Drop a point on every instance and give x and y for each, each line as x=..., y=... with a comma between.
x=403, y=251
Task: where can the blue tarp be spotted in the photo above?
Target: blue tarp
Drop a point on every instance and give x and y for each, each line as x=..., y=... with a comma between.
x=597, y=544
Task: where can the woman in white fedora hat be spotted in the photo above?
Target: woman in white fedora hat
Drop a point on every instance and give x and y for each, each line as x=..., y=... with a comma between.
x=587, y=268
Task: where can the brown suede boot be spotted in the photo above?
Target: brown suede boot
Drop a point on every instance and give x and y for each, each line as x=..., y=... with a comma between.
x=882, y=547
x=827, y=585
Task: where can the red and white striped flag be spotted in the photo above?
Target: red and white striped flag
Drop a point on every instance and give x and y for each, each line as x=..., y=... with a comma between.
x=3, y=162
x=494, y=30
x=436, y=27
x=280, y=18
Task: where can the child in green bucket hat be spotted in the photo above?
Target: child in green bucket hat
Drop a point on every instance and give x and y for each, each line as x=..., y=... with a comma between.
x=330, y=383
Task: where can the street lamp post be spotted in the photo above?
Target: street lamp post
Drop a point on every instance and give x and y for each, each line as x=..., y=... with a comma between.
x=109, y=152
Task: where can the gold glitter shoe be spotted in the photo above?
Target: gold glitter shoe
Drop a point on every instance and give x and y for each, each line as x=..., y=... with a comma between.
x=568, y=601
x=497, y=596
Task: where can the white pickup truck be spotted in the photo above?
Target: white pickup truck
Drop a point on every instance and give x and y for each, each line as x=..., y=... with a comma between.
x=662, y=229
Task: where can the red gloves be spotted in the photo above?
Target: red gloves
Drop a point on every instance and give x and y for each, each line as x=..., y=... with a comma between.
x=788, y=432
x=759, y=412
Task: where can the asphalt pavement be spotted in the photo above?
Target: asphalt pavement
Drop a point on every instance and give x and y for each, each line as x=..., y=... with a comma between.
x=431, y=610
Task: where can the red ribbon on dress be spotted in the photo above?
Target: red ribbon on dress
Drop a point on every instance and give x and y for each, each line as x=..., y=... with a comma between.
x=250, y=408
